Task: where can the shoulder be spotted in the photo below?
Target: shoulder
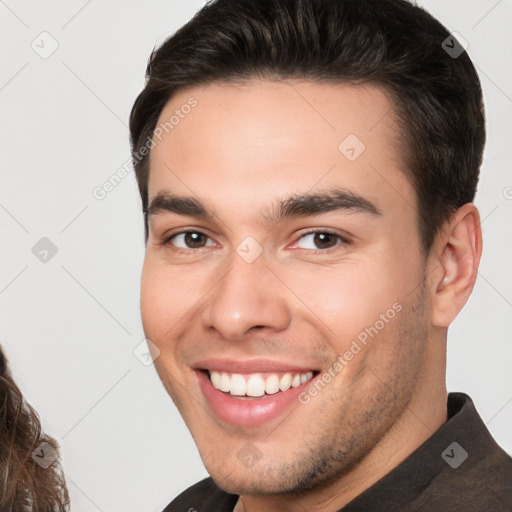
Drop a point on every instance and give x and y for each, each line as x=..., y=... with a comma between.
x=201, y=497
x=477, y=472
x=483, y=486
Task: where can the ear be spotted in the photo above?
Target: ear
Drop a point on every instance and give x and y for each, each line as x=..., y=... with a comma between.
x=456, y=257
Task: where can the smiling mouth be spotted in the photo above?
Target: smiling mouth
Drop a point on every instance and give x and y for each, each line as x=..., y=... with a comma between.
x=257, y=385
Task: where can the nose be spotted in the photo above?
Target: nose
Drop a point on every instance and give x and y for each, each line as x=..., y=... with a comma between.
x=249, y=297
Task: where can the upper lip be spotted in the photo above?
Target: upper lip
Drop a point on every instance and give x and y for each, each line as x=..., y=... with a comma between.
x=250, y=366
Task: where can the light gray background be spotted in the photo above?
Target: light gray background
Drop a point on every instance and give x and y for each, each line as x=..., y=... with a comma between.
x=70, y=325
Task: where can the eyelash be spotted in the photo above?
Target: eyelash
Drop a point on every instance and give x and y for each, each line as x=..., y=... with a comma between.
x=344, y=241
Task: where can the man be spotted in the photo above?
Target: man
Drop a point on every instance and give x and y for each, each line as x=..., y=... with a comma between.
x=307, y=170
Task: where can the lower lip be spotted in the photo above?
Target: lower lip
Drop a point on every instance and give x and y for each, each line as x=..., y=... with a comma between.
x=248, y=412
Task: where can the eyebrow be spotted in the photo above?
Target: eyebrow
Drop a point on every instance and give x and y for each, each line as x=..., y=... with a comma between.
x=296, y=205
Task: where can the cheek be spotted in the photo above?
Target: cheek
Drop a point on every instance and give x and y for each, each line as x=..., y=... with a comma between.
x=166, y=294
x=346, y=299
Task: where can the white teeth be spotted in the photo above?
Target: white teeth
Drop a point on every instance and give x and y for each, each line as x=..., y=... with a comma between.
x=225, y=383
x=272, y=385
x=304, y=377
x=237, y=385
x=296, y=380
x=215, y=378
x=256, y=385
x=286, y=382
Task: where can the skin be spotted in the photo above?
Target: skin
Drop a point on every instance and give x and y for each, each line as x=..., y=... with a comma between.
x=241, y=149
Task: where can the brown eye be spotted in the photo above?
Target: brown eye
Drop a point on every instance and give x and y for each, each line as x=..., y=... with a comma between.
x=189, y=240
x=318, y=240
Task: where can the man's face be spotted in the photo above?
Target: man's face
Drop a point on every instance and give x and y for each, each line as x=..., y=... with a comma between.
x=256, y=299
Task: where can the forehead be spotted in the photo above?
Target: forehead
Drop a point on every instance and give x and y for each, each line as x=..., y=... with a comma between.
x=247, y=142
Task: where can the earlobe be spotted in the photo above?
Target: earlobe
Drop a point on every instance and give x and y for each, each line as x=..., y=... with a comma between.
x=459, y=250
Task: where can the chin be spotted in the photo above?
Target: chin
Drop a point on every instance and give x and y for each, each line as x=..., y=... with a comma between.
x=251, y=483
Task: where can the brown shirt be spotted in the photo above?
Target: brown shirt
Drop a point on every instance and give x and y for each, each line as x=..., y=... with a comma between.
x=459, y=469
